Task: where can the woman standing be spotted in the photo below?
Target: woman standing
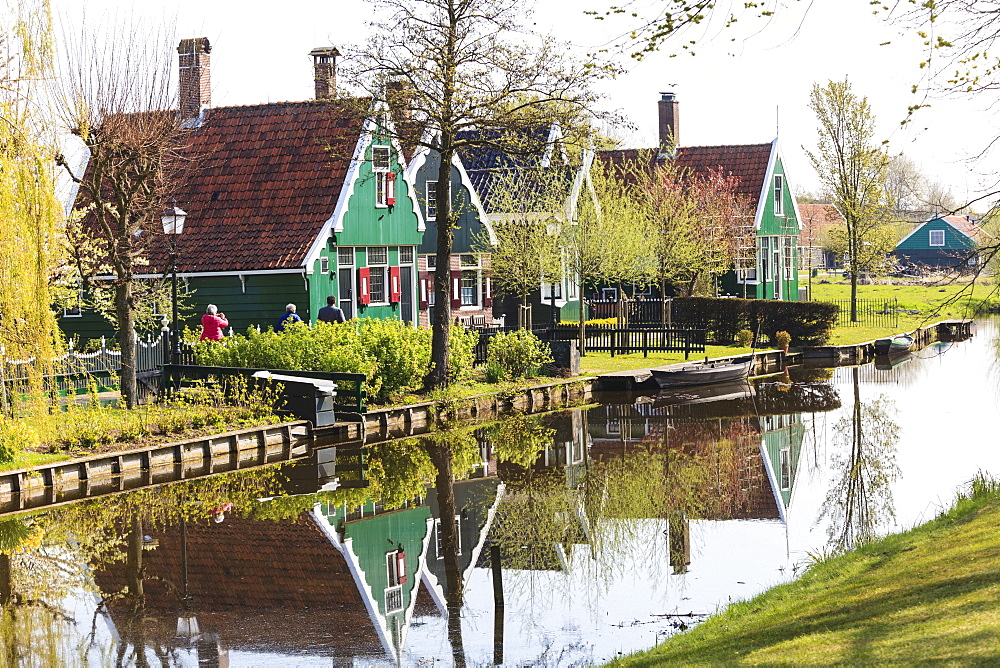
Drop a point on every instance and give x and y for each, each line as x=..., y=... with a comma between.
x=212, y=323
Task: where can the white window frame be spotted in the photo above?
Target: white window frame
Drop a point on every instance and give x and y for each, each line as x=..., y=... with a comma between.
x=430, y=200
x=930, y=241
x=324, y=264
x=407, y=255
x=346, y=250
x=779, y=195
x=381, y=169
x=785, y=469
x=439, y=544
x=470, y=264
x=380, y=268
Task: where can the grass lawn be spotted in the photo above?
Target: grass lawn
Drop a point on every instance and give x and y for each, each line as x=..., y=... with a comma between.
x=931, y=595
x=596, y=363
x=933, y=302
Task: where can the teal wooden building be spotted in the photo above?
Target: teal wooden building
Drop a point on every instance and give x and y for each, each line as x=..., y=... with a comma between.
x=288, y=203
x=472, y=287
x=944, y=241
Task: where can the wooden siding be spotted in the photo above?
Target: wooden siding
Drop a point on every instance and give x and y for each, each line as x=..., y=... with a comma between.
x=921, y=238
x=468, y=227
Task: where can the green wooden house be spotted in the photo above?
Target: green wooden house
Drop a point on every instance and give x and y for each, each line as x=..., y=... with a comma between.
x=780, y=444
x=288, y=203
x=944, y=241
x=472, y=289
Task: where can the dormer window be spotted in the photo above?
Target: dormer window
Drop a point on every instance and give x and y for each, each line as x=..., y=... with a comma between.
x=779, y=195
x=385, y=180
x=432, y=200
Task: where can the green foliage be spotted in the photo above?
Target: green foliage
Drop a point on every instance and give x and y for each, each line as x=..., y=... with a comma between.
x=515, y=355
x=744, y=337
x=809, y=323
x=393, y=356
x=782, y=338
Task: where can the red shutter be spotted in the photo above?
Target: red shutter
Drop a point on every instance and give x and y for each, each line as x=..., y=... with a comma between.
x=364, y=286
x=394, y=290
x=487, y=290
x=401, y=567
x=456, y=288
x=390, y=189
x=425, y=285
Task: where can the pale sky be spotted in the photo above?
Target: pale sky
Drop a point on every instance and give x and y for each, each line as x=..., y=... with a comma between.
x=740, y=88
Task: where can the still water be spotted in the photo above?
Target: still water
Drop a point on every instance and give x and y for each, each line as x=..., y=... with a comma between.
x=614, y=527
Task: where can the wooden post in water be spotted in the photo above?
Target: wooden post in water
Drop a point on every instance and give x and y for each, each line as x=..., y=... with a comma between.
x=498, y=606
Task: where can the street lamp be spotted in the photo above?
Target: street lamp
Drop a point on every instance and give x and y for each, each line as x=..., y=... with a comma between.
x=173, y=225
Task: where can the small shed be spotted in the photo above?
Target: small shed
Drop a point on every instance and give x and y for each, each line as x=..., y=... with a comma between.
x=944, y=241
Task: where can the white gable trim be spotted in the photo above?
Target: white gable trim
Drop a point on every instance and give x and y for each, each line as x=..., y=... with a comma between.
x=791, y=191
x=765, y=188
x=335, y=223
x=582, y=177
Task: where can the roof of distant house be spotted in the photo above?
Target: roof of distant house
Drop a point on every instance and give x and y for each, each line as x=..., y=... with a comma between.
x=966, y=226
x=747, y=162
x=816, y=218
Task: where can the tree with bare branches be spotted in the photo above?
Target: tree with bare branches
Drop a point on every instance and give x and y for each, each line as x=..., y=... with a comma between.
x=115, y=96
x=468, y=71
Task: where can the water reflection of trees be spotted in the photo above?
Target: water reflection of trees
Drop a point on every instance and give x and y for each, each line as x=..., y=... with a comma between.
x=859, y=502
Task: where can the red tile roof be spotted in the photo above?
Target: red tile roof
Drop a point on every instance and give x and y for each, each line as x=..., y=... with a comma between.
x=747, y=162
x=965, y=225
x=815, y=219
x=259, y=183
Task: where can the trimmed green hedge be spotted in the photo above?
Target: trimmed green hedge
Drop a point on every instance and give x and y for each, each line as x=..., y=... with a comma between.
x=809, y=323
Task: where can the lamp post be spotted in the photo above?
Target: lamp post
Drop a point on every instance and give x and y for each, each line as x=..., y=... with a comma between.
x=173, y=225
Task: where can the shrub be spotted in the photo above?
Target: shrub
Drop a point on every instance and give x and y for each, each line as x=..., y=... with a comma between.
x=809, y=323
x=782, y=338
x=393, y=356
x=744, y=337
x=515, y=355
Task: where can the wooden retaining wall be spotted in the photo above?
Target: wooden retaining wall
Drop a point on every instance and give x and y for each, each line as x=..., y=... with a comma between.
x=860, y=353
x=391, y=423
x=113, y=473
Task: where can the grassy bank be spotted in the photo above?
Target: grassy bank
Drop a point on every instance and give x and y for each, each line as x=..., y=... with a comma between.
x=931, y=594
x=596, y=363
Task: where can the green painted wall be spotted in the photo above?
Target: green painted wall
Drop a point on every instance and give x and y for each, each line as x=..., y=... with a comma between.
x=782, y=446
x=921, y=238
x=468, y=227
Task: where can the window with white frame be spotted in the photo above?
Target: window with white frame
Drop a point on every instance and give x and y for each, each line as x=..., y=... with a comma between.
x=469, y=286
x=431, y=204
x=380, y=168
x=937, y=237
x=345, y=256
x=779, y=195
x=439, y=543
x=785, y=469
x=406, y=254
x=431, y=262
x=324, y=264
x=378, y=267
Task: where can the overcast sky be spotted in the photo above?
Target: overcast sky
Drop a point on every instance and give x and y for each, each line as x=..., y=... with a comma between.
x=744, y=86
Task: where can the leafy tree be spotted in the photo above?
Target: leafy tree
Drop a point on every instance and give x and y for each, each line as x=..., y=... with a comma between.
x=852, y=171
x=526, y=251
x=112, y=96
x=467, y=70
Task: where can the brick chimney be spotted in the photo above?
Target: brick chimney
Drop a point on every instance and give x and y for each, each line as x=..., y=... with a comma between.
x=669, y=111
x=325, y=71
x=195, y=89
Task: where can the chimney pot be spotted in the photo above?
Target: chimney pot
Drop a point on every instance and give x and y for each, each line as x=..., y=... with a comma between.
x=325, y=71
x=669, y=125
x=195, y=82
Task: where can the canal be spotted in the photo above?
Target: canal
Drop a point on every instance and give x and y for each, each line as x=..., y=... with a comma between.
x=613, y=527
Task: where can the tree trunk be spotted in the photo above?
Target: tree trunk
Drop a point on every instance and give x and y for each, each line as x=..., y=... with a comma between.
x=444, y=485
x=126, y=332
x=582, y=334
x=441, y=326
x=854, y=277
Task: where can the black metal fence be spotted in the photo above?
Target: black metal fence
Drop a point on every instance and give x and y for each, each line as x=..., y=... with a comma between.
x=871, y=312
x=685, y=338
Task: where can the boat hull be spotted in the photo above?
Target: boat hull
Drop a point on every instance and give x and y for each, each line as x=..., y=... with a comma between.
x=702, y=374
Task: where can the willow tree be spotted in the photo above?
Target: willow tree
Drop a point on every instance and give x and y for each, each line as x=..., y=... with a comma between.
x=852, y=172
x=470, y=72
x=114, y=95
x=29, y=210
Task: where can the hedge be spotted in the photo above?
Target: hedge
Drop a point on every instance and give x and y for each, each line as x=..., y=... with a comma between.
x=809, y=323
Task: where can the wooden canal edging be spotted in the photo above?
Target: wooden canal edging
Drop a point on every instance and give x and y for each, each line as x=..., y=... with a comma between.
x=765, y=362
x=859, y=353
x=417, y=419
x=99, y=475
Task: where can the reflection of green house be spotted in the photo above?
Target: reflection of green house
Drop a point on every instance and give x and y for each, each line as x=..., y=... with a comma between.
x=780, y=444
x=384, y=552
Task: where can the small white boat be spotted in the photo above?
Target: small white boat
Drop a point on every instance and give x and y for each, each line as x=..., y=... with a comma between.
x=687, y=375
x=895, y=345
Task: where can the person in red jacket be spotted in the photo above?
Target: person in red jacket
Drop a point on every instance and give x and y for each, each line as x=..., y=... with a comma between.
x=212, y=323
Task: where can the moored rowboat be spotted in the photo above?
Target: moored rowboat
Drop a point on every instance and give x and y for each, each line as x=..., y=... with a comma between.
x=688, y=375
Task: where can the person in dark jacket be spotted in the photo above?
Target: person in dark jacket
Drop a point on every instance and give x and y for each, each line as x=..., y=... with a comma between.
x=330, y=312
x=287, y=319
